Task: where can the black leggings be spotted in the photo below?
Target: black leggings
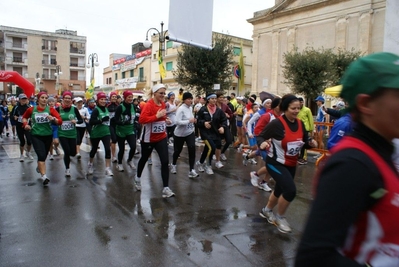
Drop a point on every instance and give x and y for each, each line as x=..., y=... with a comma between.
x=162, y=148
x=131, y=140
x=170, y=131
x=228, y=139
x=21, y=133
x=107, y=146
x=284, y=177
x=80, y=134
x=41, y=145
x=209, y=150
x=69, y=147
x=178, y=147
x=112, y=130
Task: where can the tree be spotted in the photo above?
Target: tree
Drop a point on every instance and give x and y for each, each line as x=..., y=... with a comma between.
x=199, y=69
x=311, y=71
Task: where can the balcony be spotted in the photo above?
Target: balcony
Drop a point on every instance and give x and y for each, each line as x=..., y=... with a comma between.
x=52, y=62
x=48, y=77
x=49, y=48
x=142, y=80
x=77, y=65
x=74, y=50
x=16, y=46
x=17, y=61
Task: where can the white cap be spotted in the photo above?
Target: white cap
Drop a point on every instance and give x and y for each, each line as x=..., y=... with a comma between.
x=157, y=87
x=78, y=99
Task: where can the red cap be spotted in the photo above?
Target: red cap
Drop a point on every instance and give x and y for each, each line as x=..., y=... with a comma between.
x=111, y=94
x=126, y=94
x=66, y=93
x=101, y=95
x=41, y=93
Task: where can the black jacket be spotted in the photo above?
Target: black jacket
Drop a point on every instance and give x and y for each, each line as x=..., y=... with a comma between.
x=218, y=119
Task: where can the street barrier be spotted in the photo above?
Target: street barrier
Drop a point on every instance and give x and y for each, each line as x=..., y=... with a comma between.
x=321, y=133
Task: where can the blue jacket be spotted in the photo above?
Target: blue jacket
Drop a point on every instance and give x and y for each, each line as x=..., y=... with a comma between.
x=341, y=127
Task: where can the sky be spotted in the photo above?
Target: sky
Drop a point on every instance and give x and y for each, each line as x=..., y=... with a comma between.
x=114, y=26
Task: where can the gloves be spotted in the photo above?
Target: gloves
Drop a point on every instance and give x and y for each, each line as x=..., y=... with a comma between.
x=106, y=118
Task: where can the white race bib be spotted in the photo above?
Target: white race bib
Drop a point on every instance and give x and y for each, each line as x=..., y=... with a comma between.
x=293, y=148
x=158, y=127
x=41, y=118
x=111, y=115
x=67, y=125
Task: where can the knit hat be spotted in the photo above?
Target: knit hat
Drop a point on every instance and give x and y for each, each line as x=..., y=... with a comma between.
x=41, y=93
x=66, y=93
x=187, y=95
x=127, y=93
x=112, y=93
x=276, y=102
x=101, y=95
x=157, y=87
x=210, y=95
x=367, y=74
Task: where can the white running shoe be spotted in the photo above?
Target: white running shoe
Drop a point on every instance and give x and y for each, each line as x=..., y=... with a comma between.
x=90, y=169
x=214, y=157
x=208, y=170
x=166, y=192
x=21, y=158
x=244, y=159
x=149, y=161
x=51, y=157
x=78, y=156
x=137, y=183
x=193, y=174
x=131, y=164
x=67, y=173
x=263, y=186
x=46, y=180
x=282, y=225
x=223, y=157
x=254, y=178
x=200, y=166
x=219, y=164
x=252, y=161
x=108, y=172
x=29, y=155
x=268, y=215
x=173, y=169
x=114, y=160
x=119, y=167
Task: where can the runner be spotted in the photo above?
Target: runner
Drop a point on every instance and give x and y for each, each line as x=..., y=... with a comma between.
x=153, y=136
x=81, y=127
x=112, y=106
x=41, y=117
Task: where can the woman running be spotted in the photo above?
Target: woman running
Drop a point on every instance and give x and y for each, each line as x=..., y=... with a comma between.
x=112, y=106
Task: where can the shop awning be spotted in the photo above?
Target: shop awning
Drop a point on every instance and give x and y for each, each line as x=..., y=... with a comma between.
x=333, y=91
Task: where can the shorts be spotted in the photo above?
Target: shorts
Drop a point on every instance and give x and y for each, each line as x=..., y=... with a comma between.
x=252, y=141
x=55, y=131
x=239, y=124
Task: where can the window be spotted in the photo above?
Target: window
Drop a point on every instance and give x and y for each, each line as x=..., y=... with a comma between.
x=116, y=76
x=141, y=75
x=123, y=74
x=169, y=66
x=169, y=44
x=236, y=51
x=131, y=73
x=76, y=47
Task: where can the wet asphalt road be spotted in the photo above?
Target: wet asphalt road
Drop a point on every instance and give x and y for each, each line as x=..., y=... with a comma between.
x=100, y=220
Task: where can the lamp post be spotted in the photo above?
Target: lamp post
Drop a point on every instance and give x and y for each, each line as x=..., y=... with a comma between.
x=92, y=61
x=37, y=83
x=161, y=38
x=57, y=74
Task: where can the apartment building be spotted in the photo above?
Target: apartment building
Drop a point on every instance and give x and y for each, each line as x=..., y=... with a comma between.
x=140, y=71
x=52, y=61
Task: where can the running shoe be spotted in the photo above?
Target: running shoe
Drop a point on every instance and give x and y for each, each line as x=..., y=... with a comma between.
x=252, y=161
x=108, y=172
x=21, y=158
x=173, y=169
x=119, y=167
x=244, y=159
x=51, y=157
x=67, y=173
x=208, y=170
x=193, y=174
x=200, y=166
x=90, y=169
x=78, y=156
x=302, y=162
x=264, y=186
x=137, y=183
x=29, y=155
x=114, y=160
x=166, y=192
x=214, y=157
x=57, y=150
x=282, y=225
x=254, y=178
x=223, y=157
x=219, y=164
x=131, y=164
x=240, y=147
x=268, y=215
x=45, y=180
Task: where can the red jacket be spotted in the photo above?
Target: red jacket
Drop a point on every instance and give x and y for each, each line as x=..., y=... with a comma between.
x=153, y=129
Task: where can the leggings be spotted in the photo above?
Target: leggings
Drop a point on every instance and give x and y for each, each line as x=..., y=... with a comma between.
x=80, y=134
x=284, y=177
x=170, y=131
x=69, y=147
x=112, y=130
x=2, y=126
x=21, y=133
x=42, y=144
x=107, y=146
x=162, y=148
x=131, y=140
x=228, y=139
x=209, y=150
x=178, y=147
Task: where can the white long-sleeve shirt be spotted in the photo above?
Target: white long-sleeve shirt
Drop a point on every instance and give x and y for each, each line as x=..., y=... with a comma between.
x=183, y=125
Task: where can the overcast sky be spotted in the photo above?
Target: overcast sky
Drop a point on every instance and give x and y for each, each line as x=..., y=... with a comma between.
x=113, y=26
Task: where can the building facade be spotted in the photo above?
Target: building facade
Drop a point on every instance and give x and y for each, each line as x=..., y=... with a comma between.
x=52, y=61
x=140, y=71
x=332, y=24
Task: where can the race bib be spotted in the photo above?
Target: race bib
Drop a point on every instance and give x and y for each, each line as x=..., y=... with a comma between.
x=20, y=119
x=190, y=126
x=158, y=127
x=106, y=123
x=293, y=148
x=111, y=115
x=41, y=118
x=67, y=125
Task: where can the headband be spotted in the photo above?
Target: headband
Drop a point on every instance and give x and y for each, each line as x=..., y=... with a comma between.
x=211, y=96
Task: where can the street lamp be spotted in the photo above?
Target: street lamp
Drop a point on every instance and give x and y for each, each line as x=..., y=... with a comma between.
x=92, y=61
x=57, y=74
x=37, y=82
x=161, y=38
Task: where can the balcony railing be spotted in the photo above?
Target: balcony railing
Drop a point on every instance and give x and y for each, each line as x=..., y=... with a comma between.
x=79, y=65
x=142, y=79
x=48, y=77
x=17, y=60
x=76, y=50
x=49, y=48
x=52, y=62
x=17, y=45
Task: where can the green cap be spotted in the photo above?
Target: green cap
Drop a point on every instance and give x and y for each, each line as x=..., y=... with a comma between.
x=368, y=74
